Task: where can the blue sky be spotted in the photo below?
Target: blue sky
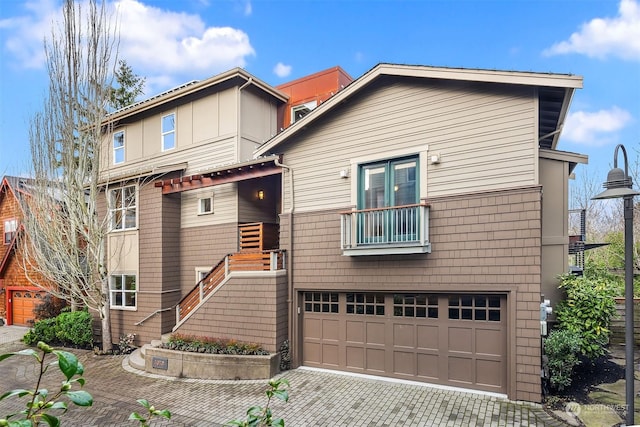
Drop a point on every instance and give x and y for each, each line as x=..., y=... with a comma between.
x=172, y=42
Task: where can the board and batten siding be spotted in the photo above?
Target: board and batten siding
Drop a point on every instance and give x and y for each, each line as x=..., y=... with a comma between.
x=258, y=122
x=206, y=136
x=485, y=136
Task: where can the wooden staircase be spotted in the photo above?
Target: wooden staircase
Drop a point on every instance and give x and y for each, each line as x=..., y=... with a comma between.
x=258, y=252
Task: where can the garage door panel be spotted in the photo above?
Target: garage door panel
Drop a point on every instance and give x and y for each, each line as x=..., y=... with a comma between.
x=375, y=360
x=404, y=362
x=427, y=366
x=460, y=370
x=404, y=335
x=354, y=357
x=460, y=339
x=330, y=329
x=488, y=373
x=312, y=328
x=375, y=333
x=312, y=352
x=330, y=355
x=355, y=331
x=428, y=337
x=489, y=342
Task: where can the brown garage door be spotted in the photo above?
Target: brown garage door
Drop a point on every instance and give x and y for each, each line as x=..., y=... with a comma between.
x=457, y=340
x=23, y=303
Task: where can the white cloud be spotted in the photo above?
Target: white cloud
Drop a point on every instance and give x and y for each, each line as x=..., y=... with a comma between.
x=159, y=44
x=603, y=37
x=24, y=35
x=282, y=70
x=595, y=128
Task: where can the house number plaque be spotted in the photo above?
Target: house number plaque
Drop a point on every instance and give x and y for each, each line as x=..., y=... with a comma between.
x=160, y=363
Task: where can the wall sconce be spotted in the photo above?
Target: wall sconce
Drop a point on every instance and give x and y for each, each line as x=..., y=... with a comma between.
x=260, y=194
x=435, y=159
x=344, y=173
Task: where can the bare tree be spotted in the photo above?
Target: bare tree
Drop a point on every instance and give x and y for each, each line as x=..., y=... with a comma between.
x=65, y=232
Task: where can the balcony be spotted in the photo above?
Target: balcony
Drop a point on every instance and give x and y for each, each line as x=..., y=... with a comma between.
x=385, y=231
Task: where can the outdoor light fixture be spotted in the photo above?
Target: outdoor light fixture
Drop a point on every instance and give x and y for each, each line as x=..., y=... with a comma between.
x=619, y=185
x=261, y=194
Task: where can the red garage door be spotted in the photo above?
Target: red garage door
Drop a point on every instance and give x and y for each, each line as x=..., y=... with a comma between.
x=456, y=340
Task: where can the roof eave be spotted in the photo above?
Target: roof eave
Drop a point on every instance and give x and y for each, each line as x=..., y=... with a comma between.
x=475, y=75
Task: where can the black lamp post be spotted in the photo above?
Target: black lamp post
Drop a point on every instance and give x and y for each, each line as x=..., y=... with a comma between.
x=619, y=185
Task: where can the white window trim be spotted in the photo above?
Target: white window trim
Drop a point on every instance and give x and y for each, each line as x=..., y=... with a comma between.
x=122, y=209
x=200, y=210
x=307, y=106
x=173, y=131
x=201, y=273
x=10, y=227
x=123, y=291
x=115, y=162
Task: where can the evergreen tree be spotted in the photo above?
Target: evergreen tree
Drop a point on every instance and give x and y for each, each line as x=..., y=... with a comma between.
x=128, y=86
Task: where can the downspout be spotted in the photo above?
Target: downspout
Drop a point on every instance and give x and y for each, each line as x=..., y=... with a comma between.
x=293, y=350
x=239, y=118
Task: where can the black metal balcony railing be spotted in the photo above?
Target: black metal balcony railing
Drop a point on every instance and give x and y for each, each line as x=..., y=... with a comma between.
x=396, y=229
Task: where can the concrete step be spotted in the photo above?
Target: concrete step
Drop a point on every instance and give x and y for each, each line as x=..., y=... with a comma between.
x=136, y=359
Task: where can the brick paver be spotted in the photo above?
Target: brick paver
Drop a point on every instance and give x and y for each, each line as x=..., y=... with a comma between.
x=317, y=398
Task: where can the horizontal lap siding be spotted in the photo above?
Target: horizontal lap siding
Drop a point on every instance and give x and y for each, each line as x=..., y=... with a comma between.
x=488, y=242
x=484, y=133
x=225, y=202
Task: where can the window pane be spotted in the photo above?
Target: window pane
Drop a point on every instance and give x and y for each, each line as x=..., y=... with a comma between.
x=116, y=282
x=168, y=123
x=117, y=299
x=130, y=283
x=404, y=183
x=168, y=141
x=130, y=299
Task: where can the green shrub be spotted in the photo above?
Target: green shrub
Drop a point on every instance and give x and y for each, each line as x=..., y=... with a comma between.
x=75, y=328
x=587, y=311
x=43, y=330
x=562, y=348
x=198, y=344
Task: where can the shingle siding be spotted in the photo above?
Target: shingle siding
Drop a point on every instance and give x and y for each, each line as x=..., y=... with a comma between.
x=485, y=242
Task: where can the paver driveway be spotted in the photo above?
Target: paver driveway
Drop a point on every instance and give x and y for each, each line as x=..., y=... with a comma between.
x=317, y=398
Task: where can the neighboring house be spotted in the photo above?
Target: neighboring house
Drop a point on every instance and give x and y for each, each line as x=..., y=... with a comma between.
x=18, y=296
x=396, y=229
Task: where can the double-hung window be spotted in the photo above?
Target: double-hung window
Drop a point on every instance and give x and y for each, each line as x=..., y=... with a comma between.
x=118, y=147
x=123, y=207
x=122, y=291
x=10, y=228
x=168, y=132
x=388, y=198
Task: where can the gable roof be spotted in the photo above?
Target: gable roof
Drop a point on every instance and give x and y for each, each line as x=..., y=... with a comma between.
x=235, y=76
x=554, y=95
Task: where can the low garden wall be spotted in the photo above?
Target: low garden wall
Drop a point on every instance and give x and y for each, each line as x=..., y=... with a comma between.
x=176, y=363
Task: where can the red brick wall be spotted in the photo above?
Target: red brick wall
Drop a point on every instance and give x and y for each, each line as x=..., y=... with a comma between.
x=480, y=243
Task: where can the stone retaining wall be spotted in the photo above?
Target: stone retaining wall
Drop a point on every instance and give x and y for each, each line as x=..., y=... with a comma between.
x=210, y=366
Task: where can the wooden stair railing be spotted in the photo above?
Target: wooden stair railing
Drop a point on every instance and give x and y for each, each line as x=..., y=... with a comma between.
x=255, y=261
